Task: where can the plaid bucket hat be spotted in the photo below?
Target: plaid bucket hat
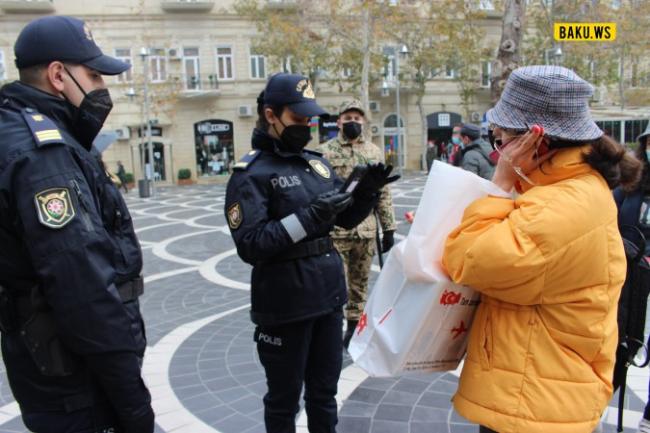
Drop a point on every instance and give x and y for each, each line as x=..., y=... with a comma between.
x=551, y=96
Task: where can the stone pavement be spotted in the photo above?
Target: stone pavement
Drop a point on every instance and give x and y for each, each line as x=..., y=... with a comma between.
x=201, y=364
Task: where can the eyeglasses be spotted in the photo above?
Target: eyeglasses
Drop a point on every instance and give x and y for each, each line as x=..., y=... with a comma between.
x=498, y=142
x=498, y=145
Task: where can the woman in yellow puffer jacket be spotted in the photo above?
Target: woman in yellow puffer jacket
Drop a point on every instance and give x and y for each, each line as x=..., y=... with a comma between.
x=549, y=264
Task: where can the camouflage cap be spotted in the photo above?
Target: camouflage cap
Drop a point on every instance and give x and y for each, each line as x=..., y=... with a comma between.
x=353, y=104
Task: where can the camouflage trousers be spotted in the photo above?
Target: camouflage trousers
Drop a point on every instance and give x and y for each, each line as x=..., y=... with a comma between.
x=357, y=257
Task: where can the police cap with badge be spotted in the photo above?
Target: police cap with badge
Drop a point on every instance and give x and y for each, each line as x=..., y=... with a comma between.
x=66, y=39
x=292, y=91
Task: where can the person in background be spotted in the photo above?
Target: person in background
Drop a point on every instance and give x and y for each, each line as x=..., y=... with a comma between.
x=357, y=245
x=634, y=210
x=476, y=151
x=549, y=264
x=432, y=153
x=121, y=175
x=454, y=147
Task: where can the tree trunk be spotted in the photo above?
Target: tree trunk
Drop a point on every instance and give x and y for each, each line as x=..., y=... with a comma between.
x=621, y=79
x=509, y=54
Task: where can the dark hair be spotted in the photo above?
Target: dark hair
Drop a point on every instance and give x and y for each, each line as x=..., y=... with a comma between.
x=641, y=156
x=609, y=158
x=32, y=75
x=262, y=123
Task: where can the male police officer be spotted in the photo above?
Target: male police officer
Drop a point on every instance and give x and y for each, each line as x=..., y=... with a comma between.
x=72, y=334
x=281, y=204
x=357, y=246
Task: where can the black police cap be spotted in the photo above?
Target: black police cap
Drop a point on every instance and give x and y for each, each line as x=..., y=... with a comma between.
x=471, y=130
x=294, y=92
x=66, y=39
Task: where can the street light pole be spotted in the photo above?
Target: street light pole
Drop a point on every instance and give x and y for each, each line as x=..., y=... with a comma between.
x=403, y=50
x=144, y=53
x=399, y=130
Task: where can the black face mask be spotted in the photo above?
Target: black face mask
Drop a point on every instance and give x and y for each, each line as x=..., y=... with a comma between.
x=294, y=138
x=351, y=130
x=89, y=117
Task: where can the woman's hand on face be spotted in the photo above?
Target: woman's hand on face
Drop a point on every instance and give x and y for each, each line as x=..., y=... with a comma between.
x=519, y=157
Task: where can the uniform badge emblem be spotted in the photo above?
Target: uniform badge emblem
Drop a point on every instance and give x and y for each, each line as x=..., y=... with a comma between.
x=320, y=168
x=235, y=216
x=304, y=87
x=88, y=33
x=54, y=207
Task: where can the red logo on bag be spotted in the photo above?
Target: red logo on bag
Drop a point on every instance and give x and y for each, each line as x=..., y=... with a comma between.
x=449, y=298
x=459, y=331
x=363, y=322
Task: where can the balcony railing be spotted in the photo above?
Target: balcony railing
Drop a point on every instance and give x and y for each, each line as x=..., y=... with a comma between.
x=187, y=5
x=197, y=86
x=27, y=6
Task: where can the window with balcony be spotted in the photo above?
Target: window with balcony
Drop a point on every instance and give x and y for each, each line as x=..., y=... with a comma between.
x=191, y=68
x=157, y=65
x=450, y=72
x=390, y=64
x=258, y=66
x=124, y=54
x=225, y=63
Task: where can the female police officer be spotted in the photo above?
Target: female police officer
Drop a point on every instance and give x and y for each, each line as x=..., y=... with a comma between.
x=281, y=203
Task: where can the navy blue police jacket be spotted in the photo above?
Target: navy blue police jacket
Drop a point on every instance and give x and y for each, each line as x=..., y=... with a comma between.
x=267, y=208
x=65, y=227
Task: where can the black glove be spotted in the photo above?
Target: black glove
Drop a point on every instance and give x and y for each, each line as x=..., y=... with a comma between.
x=329, y=204
x=387, y=241
x=375, y=179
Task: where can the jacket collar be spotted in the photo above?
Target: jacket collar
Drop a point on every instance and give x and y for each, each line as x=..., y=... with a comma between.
x=345, y=142
x=566, y=164
x=25, y=96
x=263, y=141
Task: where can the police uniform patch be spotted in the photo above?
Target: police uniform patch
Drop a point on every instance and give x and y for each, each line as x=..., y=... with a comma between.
x=235, y=216
x=54, y=207
x=320, y=168
x=88, y=33
x=304, y=87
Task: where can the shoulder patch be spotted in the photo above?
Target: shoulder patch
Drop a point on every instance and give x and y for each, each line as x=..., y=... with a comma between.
x=320, y=168
x=313, y=152
x=44, y=130
x=235, y=216
x=54, y=207
x=246, y=160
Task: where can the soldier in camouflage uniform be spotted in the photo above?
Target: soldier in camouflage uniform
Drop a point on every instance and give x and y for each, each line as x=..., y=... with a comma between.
x=357, y=246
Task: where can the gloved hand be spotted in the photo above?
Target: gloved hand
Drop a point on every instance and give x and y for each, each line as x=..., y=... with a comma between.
x=387, y=241
x=329, y=204
x=375, y=179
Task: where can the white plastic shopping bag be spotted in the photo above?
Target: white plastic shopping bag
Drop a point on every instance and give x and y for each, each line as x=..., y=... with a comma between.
x=416, y=319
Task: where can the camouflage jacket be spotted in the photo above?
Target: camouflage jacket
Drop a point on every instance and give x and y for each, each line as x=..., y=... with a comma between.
x=343, y=156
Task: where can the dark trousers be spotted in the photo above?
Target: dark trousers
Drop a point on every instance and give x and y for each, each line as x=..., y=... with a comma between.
x=81, y=421
x=482, y=429
x=306, y=352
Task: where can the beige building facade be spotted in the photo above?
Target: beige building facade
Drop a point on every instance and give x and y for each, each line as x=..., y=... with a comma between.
x=203, y=79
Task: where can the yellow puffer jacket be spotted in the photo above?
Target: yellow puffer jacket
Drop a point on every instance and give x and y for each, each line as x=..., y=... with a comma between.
x=550, y=266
